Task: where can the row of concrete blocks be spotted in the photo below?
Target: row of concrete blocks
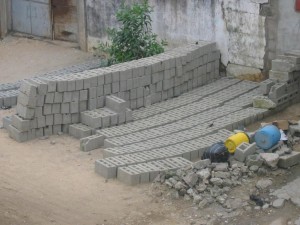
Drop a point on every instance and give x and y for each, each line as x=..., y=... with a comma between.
x=108, y=167
x=232, y=121
x=178, y=126
x=147, y=172
x=165, y=117
x=184, y=99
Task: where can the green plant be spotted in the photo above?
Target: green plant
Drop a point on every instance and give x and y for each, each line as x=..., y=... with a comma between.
x=134, y=39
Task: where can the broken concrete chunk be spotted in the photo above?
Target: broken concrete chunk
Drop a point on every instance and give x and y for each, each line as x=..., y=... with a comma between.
x=263, y=184
x=263, y=102
x=270, y=159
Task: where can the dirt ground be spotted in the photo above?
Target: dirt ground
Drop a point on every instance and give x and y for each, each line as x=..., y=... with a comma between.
x=51, y=182
x=22, y=57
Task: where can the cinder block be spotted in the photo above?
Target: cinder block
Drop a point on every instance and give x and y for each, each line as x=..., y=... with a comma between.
x=49, y=120
x=107, y=89
x=67, y=97
x=75, y=118
x=41, y=121
x=289, y=160
x=57, y=129
x=29, y=101
x=65, y=108
x=74, y=107
x=91, y=142
x=28, y=88
x=58, y=119
x=83, y=95
x=115, y=103
x=92, y=92
x=67, y=118
x=83, y=106
x=128, y=175
x=17, y=135
x=6, y=121
x=80, y=131
x=39, y=132
x=40, y=100
x=25, y=112
x=92, y=103
x=244, y=150
x=101, y=102
x=49, y=97
x=265, y=86
x=122, y=118
x=48, y=130
x=56, y=108
x=105, y=168
x=20, y=124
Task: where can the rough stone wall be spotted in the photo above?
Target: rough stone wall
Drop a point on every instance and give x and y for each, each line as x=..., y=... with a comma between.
x=49, y=105
x=236, y=25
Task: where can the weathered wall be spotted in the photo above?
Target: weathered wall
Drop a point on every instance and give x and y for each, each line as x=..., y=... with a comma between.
x=3, y=18
x=235, y=25
x=288, y=32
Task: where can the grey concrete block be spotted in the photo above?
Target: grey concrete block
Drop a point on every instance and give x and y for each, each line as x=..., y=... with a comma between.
x=265, y=86
x=47, y=109
x=28, y=88
x=101, y=102
x=83, y=95
x=29, y=101
x=122, y=118
x=67, y=118
x=289, y=160
x=91, y=142
x=105, y=168
x=24, y=112
x=65, y=108
x=107, y=89
x=55, y=108
x=92, y=92
x=115, y=103
x=48, y=130
x=57, y=129
x=83, y=106
x=6, y=121
x=244, y=150
x=49, y=120
x=49, y=98
x=75, y=118
x=58, y=119
x=40, y=100
x=20, y=124
x=41, y=121
x=80, y=131
x=17, y=135
x=128, y=176
x=74, y=107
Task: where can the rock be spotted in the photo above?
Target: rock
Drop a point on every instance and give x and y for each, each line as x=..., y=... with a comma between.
x=254, y=160
x=278, y=203
x=52, y=142
x=44, y=138
x=201, y=164
x=173, y=194
x=297, y=222
x=201, y=188
x=203, y=204
x=262, y=172
x=263, y=184
x=168, y=183
x=227, y=182
x=204, y=174
x=222, y=175
x=187, y=198
x=191, y=179
x=179, y=185
x=221, y=167
x=221, y=199
x=182, y=192
x=216, y=181
x=197, y=199
x=190, y=192
x=216, y=191
x=265, y=206
x=60, y=133
x=263, y=102
x=254, y=168
x=296, y=201
x=257, y=208
x=271, y=159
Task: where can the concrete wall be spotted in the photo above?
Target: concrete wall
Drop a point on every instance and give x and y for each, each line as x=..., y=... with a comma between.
x=3, y=18
x=288, y=31
x=235, y=25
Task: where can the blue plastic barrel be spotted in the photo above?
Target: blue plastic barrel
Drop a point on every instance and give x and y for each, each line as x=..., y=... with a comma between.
x=267, y=137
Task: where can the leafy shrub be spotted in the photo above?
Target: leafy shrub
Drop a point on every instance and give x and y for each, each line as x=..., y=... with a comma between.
x=134, y=39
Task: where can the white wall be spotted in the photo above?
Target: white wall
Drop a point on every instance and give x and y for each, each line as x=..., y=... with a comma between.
x=235, y=25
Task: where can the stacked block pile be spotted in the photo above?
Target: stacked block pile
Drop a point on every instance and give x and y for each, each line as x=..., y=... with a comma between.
x=283, y=83
x=48, y=105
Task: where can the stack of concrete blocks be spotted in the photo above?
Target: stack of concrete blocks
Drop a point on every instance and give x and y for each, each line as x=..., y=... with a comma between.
x=51, y=104
x=284, y=79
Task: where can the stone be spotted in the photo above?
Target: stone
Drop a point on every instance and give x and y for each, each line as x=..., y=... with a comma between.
x=221, y=167
x=204, y=174
x=297, y=222
x=204, y=203
x=201, y=164
x=197, y=199
x=270, y=159
x=223, y=175
x=254, y=160
x=262, y=172
x=254, y=168
x=263, y=184
x=278, y=203
x=265, y=206
x=179, y=185
x=263, y=102
x=216, y=181
x=191, y=179
x=201, y=188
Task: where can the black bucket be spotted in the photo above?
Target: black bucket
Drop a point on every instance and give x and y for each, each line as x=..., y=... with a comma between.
x=217, y=153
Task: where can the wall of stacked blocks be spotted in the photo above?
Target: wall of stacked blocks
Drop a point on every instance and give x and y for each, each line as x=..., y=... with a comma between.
x=49, y=105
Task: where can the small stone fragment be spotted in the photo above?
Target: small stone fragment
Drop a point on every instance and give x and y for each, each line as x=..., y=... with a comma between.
x=278, y=203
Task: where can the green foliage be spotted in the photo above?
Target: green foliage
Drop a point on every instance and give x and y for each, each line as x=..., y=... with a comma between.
x=134, y=39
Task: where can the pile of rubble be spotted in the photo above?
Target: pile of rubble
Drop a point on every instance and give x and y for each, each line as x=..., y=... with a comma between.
x=205, y=182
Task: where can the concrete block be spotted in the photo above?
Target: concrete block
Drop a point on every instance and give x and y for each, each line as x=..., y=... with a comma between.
x=58, y=119
x=107, y=89
x=49, y=98
x=6, y=121
x=128, y=175
x=39, y=132
x=100, y=91
x=67, y=97
x=283, y=65
x=17, y=135
x=20, y=124
x=40, y=100
x=65, y=128
x=91, y=142
x=83, y=106
x=92, y=92
x=29, y=101
x=115, y=103
x=244, y=150
x=71, y=85
x=80, y=131
x=42, y=86
x=105, y=168
x=41, y=121
x=83, y=95
x=115, y=87
x=265, y=86
x=289, y=160
x=92, y=103
x=75, y=96
x=57, y=129
x=48, y=130
x=101, y=102
x=28, y=88
x=67, y=118
x=62, y=86
x=128, y=115
x=25, y=112
x=65, y=108
x=55, y=109
x=74, y=107
x=75, y=118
